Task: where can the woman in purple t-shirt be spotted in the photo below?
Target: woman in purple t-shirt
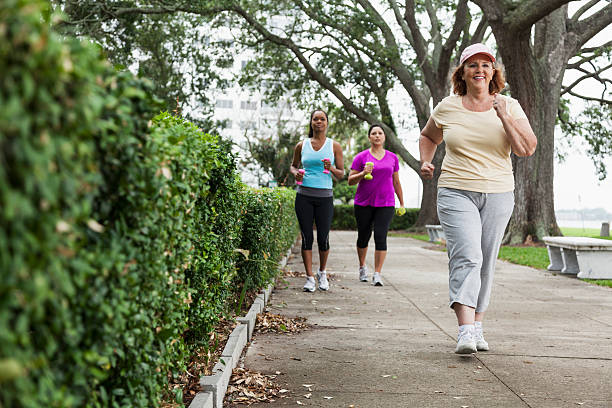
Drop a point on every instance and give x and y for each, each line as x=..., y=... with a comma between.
x=375, y=169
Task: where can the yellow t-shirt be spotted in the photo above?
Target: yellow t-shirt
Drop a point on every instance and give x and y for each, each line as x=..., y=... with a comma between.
x=477, y=150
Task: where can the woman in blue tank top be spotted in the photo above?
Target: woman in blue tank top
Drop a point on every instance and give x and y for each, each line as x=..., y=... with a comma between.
x=314, y=161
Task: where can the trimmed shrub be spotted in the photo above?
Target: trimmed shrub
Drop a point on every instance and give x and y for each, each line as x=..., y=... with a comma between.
x=270, y=228
x=117, y=231
x=344, y=218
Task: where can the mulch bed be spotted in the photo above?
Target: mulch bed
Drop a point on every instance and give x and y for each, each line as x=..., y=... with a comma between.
x=246, y=387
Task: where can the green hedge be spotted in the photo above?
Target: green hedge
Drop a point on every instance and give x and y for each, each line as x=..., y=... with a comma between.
x=270, y=228
x=344, y=218
x=118, y=230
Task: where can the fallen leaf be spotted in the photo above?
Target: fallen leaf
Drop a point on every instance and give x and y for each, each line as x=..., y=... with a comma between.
x=299, y=403
x=328, y=398
x=95, y=226
x=308, y=395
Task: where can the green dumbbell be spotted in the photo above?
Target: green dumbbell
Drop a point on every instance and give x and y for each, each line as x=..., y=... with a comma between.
x=369, y=175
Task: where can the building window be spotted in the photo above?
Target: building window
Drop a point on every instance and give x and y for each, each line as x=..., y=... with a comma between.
x=225, y=103
x=248, y=124
x=248, y=105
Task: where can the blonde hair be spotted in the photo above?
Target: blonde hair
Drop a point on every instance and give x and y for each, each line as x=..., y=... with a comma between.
x=498, y=82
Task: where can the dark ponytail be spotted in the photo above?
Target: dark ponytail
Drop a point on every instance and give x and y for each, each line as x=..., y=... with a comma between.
x=310, y=132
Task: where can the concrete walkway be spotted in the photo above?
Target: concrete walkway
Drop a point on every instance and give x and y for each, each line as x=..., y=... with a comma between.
x=393, y=346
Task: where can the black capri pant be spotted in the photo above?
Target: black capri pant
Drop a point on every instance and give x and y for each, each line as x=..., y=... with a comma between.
x=317, y=209
x=376, y=218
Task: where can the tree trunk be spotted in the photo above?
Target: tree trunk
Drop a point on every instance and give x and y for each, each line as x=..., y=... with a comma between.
x=536, y=82
x=429, y=202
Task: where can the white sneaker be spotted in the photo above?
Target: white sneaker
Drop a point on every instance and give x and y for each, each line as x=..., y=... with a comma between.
x=481, y=343
x=309, y=286
x=363, y=273
x=466, y=344
x=376, y=279
x=322, y=278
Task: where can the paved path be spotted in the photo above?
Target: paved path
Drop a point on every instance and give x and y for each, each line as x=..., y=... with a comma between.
x=393, y=346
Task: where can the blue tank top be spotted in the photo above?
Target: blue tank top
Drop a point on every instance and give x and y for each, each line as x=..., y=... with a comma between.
x=312, y=163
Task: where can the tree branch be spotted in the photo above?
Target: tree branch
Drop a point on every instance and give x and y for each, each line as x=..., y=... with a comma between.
x=588, y=98
x=530, y=12
x=587, y=28
x=461, y=19
x=583, y=10
x=594, y=75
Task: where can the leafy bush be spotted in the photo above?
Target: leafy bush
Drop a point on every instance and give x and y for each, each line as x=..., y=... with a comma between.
x=270, y=228
x=117, y=232
x=344, y=218
x=344, y=192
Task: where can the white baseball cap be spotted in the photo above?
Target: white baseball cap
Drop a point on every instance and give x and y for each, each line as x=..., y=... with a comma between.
x=474, y=49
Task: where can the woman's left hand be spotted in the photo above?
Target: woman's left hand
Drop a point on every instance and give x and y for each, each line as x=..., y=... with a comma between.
x=499, y=104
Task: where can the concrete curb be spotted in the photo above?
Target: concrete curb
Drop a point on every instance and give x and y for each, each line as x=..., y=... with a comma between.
x=215, y=386
x=202, y=400
x=218, y=382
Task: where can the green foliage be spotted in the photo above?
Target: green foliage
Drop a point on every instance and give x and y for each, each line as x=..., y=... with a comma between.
x=269, y=229
x=344, y=192
x=344, y=218
x=170, y=49
x=274, y=154
x=593, y=125
x=117, y=232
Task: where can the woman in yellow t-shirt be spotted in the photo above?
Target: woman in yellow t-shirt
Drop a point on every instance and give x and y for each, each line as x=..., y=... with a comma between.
x=476, y=185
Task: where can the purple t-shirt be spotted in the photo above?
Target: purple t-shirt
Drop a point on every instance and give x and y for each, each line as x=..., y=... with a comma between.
x=379, y=191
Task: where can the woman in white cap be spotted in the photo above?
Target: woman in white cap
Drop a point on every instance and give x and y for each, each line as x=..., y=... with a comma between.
x=476, y=185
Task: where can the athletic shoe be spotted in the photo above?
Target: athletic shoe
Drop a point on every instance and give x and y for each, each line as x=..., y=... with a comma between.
x=363, y=273
x=309, y=286
x=376, y=279
x=466, y=344
x=322, y=278
x=481, y=343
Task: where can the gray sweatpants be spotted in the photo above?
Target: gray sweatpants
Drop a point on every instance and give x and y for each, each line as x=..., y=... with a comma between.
x=474, y=225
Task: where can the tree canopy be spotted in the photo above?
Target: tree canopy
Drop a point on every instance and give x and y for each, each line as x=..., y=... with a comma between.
x=362, y=53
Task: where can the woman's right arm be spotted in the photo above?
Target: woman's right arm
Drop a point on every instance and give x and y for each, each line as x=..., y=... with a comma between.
x=295, y=163
x=431, y=137
x=355, y=177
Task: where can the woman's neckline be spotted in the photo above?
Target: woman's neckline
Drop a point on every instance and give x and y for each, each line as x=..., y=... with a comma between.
x=384, y=153
x=322, y=144
x=471, y=110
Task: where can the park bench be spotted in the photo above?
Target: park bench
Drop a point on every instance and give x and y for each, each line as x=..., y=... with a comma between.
x=435, y=232
x=585, y=257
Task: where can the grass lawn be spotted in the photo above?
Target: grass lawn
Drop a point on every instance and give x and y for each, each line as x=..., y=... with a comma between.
x=536, y=257
x=579, y=232
x=420, y=237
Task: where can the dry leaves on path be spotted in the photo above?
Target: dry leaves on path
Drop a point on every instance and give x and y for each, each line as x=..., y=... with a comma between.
x=274, y=323
x=247, y=387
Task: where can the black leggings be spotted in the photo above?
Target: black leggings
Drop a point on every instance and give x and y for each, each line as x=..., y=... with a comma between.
x=377, y=217
x=317, y=209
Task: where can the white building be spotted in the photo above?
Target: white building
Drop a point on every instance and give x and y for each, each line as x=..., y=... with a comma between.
x=249, y=119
